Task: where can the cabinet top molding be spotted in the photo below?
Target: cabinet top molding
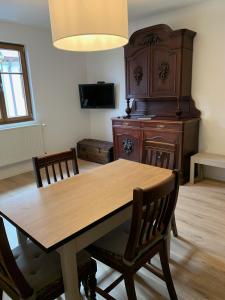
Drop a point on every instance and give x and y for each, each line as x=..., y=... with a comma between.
x=153, y=35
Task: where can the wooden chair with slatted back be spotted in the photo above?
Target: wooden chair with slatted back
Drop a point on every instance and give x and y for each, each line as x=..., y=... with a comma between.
x=163, y=155
x=128, y=250
x=30, y=273
x=159, y=154
x=51, y=162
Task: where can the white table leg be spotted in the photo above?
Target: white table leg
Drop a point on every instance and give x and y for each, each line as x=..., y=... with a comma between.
x=192, y=172
x=69, y=271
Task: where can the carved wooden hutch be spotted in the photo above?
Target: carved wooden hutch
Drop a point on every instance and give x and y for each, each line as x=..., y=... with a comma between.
x=158, y=64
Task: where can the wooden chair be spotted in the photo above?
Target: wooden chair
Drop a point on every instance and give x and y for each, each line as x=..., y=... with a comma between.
x=50, y=162
x=160, y=154
x=127, y=252
x=30, y=273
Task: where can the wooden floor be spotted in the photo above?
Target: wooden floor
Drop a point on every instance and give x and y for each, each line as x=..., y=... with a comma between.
x=197, y=256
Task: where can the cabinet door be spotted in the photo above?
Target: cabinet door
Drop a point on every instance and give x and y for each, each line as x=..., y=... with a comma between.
x=137, y=77
x=159, y=154
x=127, y=143
x=165, y=138
x=164, y=72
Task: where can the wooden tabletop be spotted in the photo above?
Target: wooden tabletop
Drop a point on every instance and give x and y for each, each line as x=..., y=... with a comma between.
x=63, y=210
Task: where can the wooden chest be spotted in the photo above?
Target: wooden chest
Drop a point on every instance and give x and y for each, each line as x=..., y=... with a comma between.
x=95, y=150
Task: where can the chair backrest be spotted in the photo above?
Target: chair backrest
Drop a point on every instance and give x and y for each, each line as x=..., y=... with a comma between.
x=153, y=209
x=12, y=280
x=53, y=163
x=159, y=154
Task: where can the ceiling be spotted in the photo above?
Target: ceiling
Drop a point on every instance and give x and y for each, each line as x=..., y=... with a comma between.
x=35, y=12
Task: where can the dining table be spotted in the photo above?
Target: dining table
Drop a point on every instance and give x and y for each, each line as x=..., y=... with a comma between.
x=71, y=214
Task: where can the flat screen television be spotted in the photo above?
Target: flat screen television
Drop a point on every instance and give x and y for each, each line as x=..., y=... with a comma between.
x=99, y=95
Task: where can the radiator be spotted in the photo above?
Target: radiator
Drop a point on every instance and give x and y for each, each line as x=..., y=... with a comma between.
x=20, y=143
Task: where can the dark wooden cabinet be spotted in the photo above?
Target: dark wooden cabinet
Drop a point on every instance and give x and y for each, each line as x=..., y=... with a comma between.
x=158, y=64
x=130, y=135
x=158, y=69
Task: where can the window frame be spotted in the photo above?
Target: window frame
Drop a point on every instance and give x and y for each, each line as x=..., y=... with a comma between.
x=4, y=119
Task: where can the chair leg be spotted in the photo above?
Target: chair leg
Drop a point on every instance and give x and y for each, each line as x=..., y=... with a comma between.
x=89, y=285
x=1, y=294
x=92, y=283
x=163, y=253
x=130, y=288
x=174, y=226
x=22, y=239
x=85, y=285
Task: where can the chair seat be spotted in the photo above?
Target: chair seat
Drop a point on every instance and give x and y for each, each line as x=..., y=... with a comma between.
x=113, y=245
x=43, y=270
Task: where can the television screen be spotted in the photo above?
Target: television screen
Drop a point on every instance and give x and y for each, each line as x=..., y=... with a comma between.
x=100, y=95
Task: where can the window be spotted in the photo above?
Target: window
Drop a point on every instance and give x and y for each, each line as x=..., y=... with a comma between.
x=15, y=100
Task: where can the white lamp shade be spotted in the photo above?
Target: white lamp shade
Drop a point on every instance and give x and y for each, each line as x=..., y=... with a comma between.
x=89, y=25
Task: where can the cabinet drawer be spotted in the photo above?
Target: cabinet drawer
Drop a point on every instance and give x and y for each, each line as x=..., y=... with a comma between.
x=161, y=126
x=162, y=136
x=126, y=123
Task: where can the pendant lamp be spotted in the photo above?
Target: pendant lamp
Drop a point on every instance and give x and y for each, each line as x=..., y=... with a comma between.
x=89, y=25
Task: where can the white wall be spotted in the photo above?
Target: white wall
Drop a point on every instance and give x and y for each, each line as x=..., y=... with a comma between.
x=208, y=88
x=106, y=66
x=55, y=76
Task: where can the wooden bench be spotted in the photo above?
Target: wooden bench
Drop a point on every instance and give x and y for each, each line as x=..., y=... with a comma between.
x=208, y=159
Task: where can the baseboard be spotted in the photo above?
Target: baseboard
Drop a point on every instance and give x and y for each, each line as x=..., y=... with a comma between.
x=15, y=169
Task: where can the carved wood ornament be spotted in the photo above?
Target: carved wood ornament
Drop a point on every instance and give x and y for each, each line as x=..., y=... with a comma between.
x=150, y=39
x=128, y=145
x=138, y=74
x=164, y=69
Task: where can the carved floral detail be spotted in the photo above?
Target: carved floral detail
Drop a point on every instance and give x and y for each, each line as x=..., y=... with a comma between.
x=150, y=39
x=138, y=74
x=164, y=69
x=128, y=146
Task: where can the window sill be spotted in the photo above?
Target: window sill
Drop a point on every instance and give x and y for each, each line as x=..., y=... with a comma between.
x=18, y=125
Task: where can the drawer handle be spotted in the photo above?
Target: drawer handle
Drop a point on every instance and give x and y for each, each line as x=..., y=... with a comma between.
x=160, y=126
x=126, y=124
